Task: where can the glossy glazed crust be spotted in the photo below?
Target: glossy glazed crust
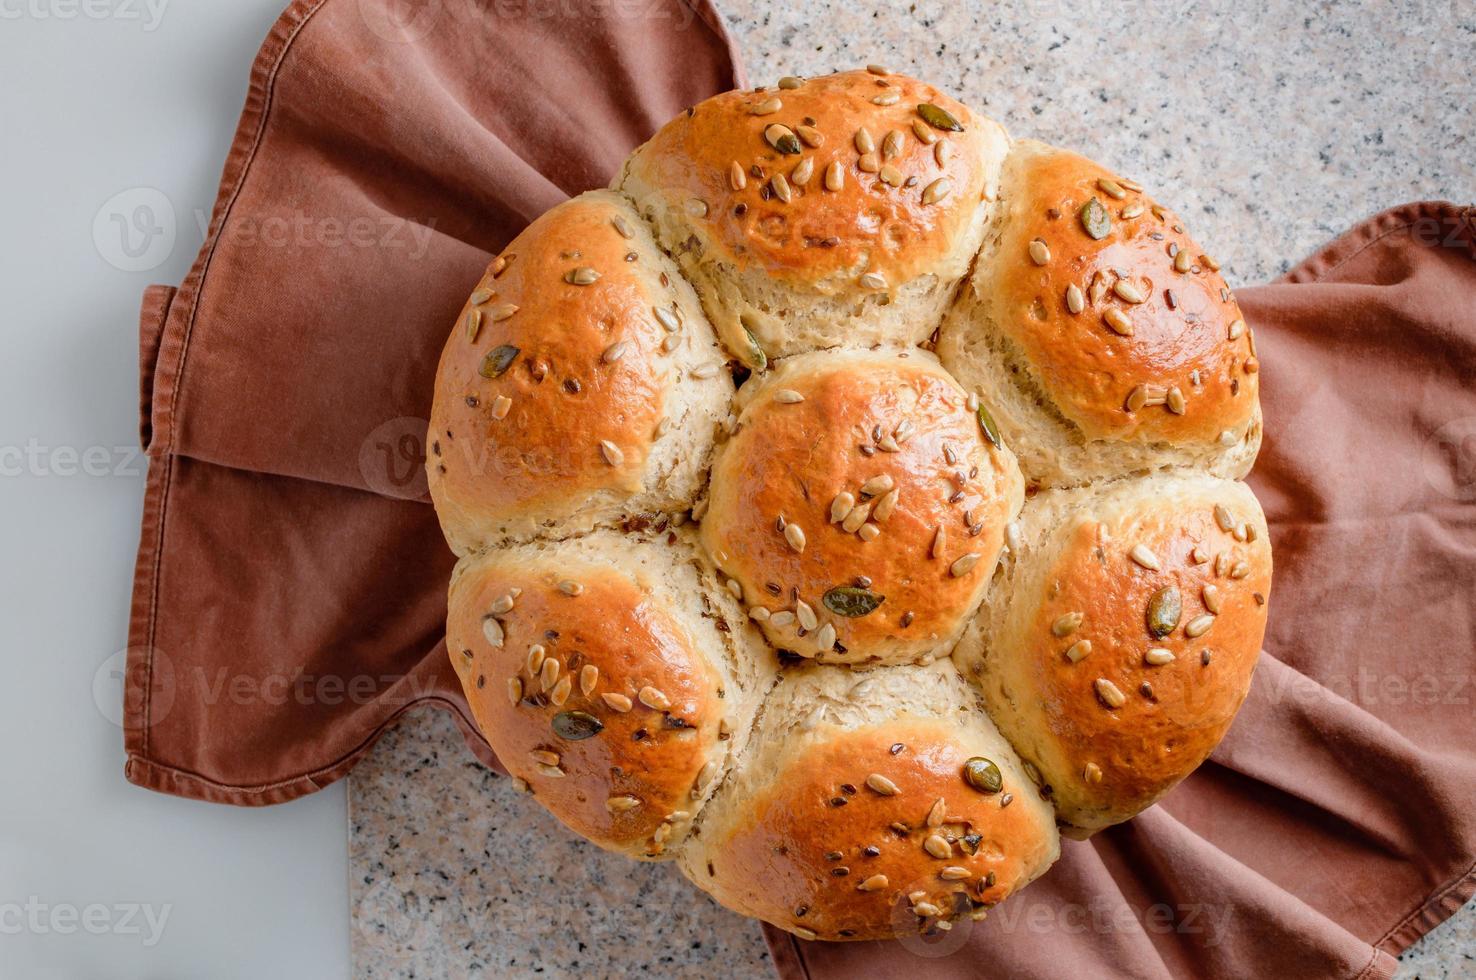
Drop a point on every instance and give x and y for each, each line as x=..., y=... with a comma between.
x=817, y=845
x=590, y=385
x=1105, y=762
x=653, y=756
x=793, y=459
x=1189, y=357
x=708, y=180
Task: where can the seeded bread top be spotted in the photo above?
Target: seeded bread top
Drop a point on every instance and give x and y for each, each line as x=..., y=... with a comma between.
x=819, y=211
x=1128, y=638
x=1053, y=485
x=582, y=384
x=852, y=796
x=860, y=507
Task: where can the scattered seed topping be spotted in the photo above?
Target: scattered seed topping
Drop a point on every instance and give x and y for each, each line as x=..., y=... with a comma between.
x=864, y=142
x=881, y=784
x=1198, y=626
x=1211, y=596
x=938, y=117
x=501, y=405
x=652, y=698
x=889, y=97
x=1075, y=301
x=570, y=587
x=544, y=758
x=1165, y=607
x=582, y=276
x=498, y=360
x=1111, y=696
x=851, y=602
x=795, y=535
x=1095, y=220
x=492, y=631
x=575, y=726
x=1158, y=656
x=810, y=136
x=622, y=804
x=1040, y=253
x=1078, y=651
x=983, y=775
x=617, y=702
x=964, y=564
x=874, y=883
x=937, y=190
x=1067, y=624
x=782, y=138
x=1092, y=772
x=1118, y=321
x=766, y=108
x=803, y=171
x=835, y=176
x=938, y=847
x=589, y=676
x=1144, y=557
x=514, y=690
x=1129, y=291
x=874, y=280
x=805, y=613
x=473, y=325
x=611, y=452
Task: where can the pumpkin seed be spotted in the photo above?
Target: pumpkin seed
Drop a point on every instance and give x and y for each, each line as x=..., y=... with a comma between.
x=782, y=138
x=1165, y=608
x=983, y=775
x=991, y=431
x=1095, y=220
x=849, y=601
x=576, y=725
x=757, y=359
x=498, y=360
x=938, y=117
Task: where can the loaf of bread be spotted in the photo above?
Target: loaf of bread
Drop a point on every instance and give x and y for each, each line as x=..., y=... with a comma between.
x=847, y=505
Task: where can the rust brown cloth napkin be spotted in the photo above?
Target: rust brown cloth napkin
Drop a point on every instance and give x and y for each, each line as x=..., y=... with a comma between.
x=289, y=592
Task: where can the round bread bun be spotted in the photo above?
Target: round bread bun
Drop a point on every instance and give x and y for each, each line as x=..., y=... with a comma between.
x=860, y=508
x=952, y=562
x=826, y=211
x=852, y=816
x=1103, y=337
x=609, y=674
x=1120, y=642
x=561, y=406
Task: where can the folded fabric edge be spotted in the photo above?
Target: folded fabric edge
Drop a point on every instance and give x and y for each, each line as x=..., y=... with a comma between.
x=1460, y=229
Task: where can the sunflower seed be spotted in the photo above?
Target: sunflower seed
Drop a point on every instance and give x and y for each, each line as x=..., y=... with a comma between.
x=955, y=873
x=803, y=171
x=889, y=97
x=501, y=405
x=963, y=565
x=1224, y=518
x=1109, y=693
x=514, y=690
x=502, y=605
x=1067, y=624
x=1175, y=401
x=615, y=352
x=704, y=371
x=621, y=227
x=544, y=757
x=805, y=614
x=560, y=692
x=1158, y=656
x=667, y=318
x=1181, y=261
x=1119, y=322
x=481, y=296
x=825, y=637
x=877, y=485
x=589, y=676
x=611, y=452
x=737, y=179
x=924, y=133
x=892, y=144
x=938, y=847
x=1198, y=626
x=652, y=698
x=872, y=884
x=1079, y=651
x=874, y=280
x=1236, y=329
x=1129, y=292
x=1075, y=301
x=835, y=176
x=582, y=276
x=936, y=191
x=780, y=186
x=795, y=535
x=864, y=141
x=881, y=784
x=621, y=804
x=942, y=152
x=940, y=541
x=1131, y=211
x=810, y=135
x=766, y=108
x=473, y=325
x=1145, y=557
x=535, y=658
x=617, y=702
x=1092, y=772
x=841, y=506
x=549, y=674
x=1112, y=189
x=492, y=631
x=869, y=163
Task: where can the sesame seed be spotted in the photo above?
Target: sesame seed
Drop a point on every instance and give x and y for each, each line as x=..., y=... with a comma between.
x=1198, y=626
x=617, y=702
x=881, y=784
x=1109, y=693
x=1040, y=253
x=795, y=535
x=1145, y=557
x=963, y=565
x=1158, y=656
x=492, y=631
x=652, y=698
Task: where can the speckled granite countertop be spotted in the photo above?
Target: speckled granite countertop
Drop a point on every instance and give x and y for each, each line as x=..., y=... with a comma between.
x=1270, y=126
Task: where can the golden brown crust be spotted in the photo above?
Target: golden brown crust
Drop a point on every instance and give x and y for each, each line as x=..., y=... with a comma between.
x=1120, y=721
x=823, y=852
x=1189, y=353
x=793, y=459
x=635, y=776
x=846, y=201
x=550, y=392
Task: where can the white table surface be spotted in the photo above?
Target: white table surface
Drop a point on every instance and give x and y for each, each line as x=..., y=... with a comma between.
x=92, y=107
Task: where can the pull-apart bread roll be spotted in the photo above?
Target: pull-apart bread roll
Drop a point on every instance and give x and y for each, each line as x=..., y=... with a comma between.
x=835, y=210
x=871, y=803
x=1120, y=642
x=1102, y=337
x=846, y=505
